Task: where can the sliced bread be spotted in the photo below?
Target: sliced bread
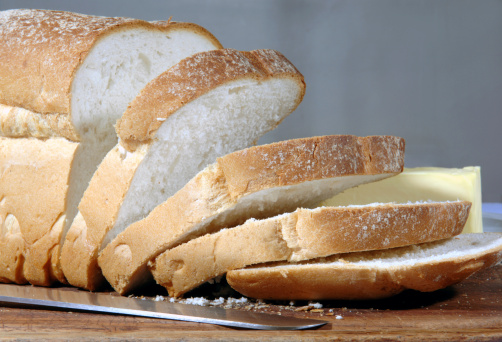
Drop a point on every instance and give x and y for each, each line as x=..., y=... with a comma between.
x=306, y=234
x=375, y=274
x=257, y=182
x=206, y=106
x=67, y=75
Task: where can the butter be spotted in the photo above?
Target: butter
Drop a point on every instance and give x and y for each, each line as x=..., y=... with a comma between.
x=422, y=184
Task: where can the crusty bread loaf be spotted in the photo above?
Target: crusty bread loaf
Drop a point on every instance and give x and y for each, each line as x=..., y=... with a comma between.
x=30, y=214
x=71, y=76
x=70, y=71
x=375, y=274
x=306, y=234
x=208, y=105
x=257, y=182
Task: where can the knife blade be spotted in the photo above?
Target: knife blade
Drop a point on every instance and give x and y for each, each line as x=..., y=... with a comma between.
x=75, y=299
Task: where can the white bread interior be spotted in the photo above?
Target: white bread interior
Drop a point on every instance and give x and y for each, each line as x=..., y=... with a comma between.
x=226, y=119
x=113, y=73
x=374, y=274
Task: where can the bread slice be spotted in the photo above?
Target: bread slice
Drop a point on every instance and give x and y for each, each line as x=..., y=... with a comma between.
x=257, y=182
x=208, y=105
x=66, y=75
x=375, y=274
x=306, y=234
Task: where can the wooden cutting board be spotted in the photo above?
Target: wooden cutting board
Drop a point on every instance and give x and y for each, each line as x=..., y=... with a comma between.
x=471, y=310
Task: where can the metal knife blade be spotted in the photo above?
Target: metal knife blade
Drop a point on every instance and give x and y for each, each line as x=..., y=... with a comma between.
x=72, y=298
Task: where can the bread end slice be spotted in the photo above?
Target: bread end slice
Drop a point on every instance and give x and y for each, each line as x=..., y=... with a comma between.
x=372, y=275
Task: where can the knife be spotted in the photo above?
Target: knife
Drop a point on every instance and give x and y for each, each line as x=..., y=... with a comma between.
x=75, y=299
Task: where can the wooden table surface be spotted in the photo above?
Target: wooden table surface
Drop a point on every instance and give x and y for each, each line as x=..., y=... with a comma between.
x=469, y=311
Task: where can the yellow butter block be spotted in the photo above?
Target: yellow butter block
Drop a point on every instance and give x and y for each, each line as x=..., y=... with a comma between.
x=422, y=184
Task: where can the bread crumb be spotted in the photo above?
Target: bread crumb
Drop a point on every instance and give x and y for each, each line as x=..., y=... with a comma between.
x=197, y=301
x=262, y=306
x=302, y=308
x=317, y=310
x=316, y=305
x=310, y=307
x=218, y=301
x=241, y=300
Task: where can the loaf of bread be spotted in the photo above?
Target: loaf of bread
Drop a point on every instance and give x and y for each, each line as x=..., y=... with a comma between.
x=306, y=234
x=209, y=104
x=65, y=79
x=375, y=274
x=257, y=182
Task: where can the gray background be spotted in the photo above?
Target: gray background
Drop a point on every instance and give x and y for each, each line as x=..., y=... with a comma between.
x=428, y=71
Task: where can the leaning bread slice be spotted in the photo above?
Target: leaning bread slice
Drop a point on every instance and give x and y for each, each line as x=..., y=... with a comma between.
x=206, y=106
x=375, y=274
x=68, y=75
x=306, y=234
x=257, y=182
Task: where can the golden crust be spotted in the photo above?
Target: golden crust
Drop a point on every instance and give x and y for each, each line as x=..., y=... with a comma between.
x=17, y=122
x=348, y=229
x=106, y=191
x=298, y=160
x=13, y=247
x=206, y=70
x=307, y=234
x=184, y=267
x=235, y=175
x=321, y=280
x=33, y=187
x=41, y=51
